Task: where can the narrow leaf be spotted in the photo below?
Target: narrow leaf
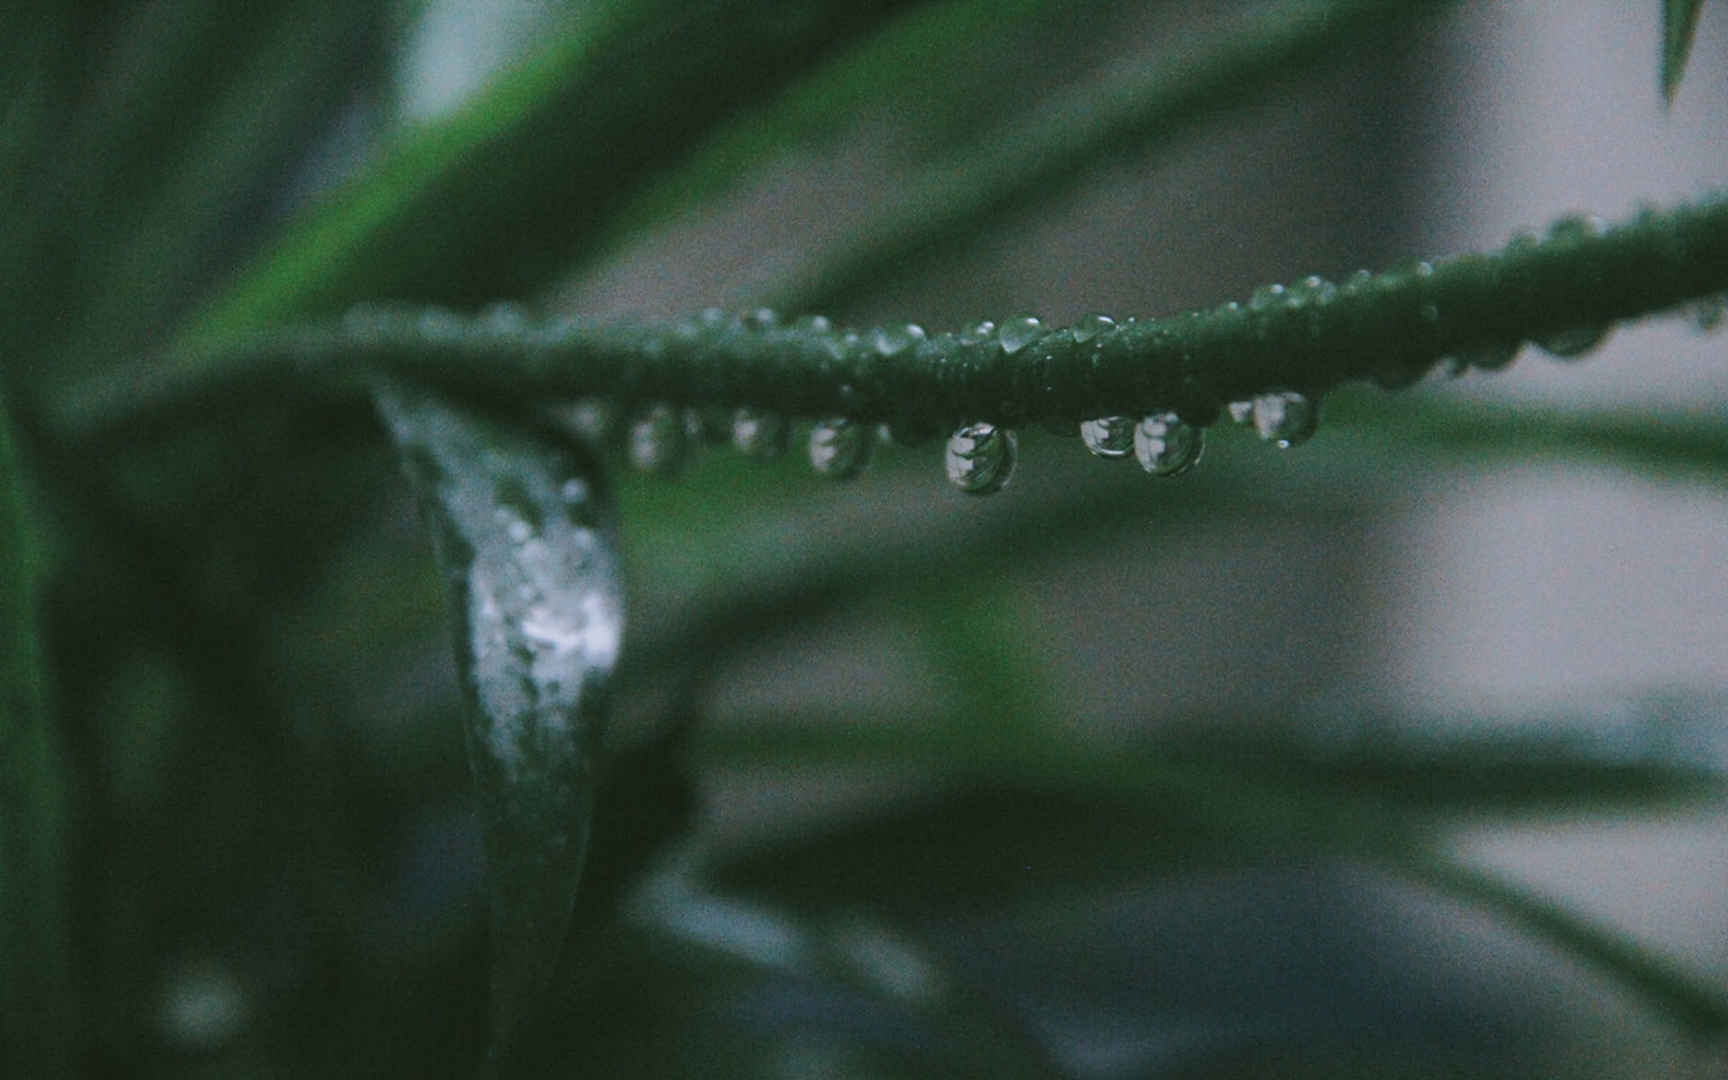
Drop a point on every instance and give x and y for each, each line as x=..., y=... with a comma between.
x=524, y=533
x=34, y=978
x=1679, y=27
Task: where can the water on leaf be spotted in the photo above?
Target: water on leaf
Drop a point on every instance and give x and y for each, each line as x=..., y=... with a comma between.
x=523, y=528
x=840, y=448
x=1285, y=418
x=813, y=324
x=1241, y=412
x=1090, y=326
x=759, y=433
x=981, y=458
x=657, y=439
x=894, y=340
x=977, y=333
x=1108, y=436
x=1267, y=297
x=761, y=318
x=1017, y=333
x=1165, y=446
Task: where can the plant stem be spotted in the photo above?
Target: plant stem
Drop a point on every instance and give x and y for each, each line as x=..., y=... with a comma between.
x=1308, y=338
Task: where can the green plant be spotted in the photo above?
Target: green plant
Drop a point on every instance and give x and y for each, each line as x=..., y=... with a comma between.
x=218, y=819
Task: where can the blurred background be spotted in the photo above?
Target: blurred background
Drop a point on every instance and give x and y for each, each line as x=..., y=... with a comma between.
x=1087, y=779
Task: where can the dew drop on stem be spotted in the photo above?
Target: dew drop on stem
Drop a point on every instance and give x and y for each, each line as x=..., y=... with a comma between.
x=894, y=340
x=1017, y=333
x=1108, y=436
x=1090, y=326
x=656, y=439
x=840, y=448
x=1285, y=418
x=977, y=333
x=759, y=433
x=981, y=457
x=1165, y=446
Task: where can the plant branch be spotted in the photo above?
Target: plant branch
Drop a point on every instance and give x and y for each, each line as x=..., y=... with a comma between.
x=1309, y=337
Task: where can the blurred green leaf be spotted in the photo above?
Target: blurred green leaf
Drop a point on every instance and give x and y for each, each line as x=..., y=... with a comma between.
x=1679, y=27
x=35, y=978
x=492, y=201
x=525, y=535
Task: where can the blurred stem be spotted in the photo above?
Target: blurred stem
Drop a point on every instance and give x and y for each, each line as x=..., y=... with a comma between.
x=36, y=1018
x=1309, y=338
x=1696, y=1006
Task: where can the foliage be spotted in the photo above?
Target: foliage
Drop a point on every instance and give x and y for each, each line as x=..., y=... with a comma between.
x=237, y=834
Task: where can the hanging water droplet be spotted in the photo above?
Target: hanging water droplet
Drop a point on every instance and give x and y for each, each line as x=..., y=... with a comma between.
x=1241, y=412
x=575, y=491
x=1108, y=436
x=981, y=458
x=813, y=324
x=761, y=318
x=894, y=340
x=589, y=419
x=1090, y=326
x=1285, y=418
x=1573, y=343
x=1165, y=446
x=708, y=425
x=1019, y=332
x=503, y=316
x=656, y=441
x=1496, y=357
x=840, y=448
x=759, y=433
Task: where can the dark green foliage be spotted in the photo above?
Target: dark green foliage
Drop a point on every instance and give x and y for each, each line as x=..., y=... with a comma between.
x=252, y=820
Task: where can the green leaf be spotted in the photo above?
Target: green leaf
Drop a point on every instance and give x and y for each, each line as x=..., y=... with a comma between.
x=1679, y=27
x=524, y=533
x=494, y=200
x=34, y=977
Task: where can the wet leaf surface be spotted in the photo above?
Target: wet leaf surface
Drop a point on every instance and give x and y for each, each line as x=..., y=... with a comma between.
x=523, y=529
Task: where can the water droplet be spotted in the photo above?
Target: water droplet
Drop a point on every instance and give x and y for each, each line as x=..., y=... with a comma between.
x=758, y=319
x=894, y=340
x=978, y=333
x=1165, y=446
x=813, y=324
x=1241, y=412
x=656, y=442
x=1708, y=313
x=1019, y=332
x=1090, y=326
x=1285, y=418
x=1108, y=436
x=1313, y=289
x=504, y=317
x=981, y=458
x=711, y=317
x=1490, y=357
x=1267, y=296
x=1573, y=343
x=839, y=345
x=759, y=433
x=574, y=491
x=840, y=448
x=586, y=418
